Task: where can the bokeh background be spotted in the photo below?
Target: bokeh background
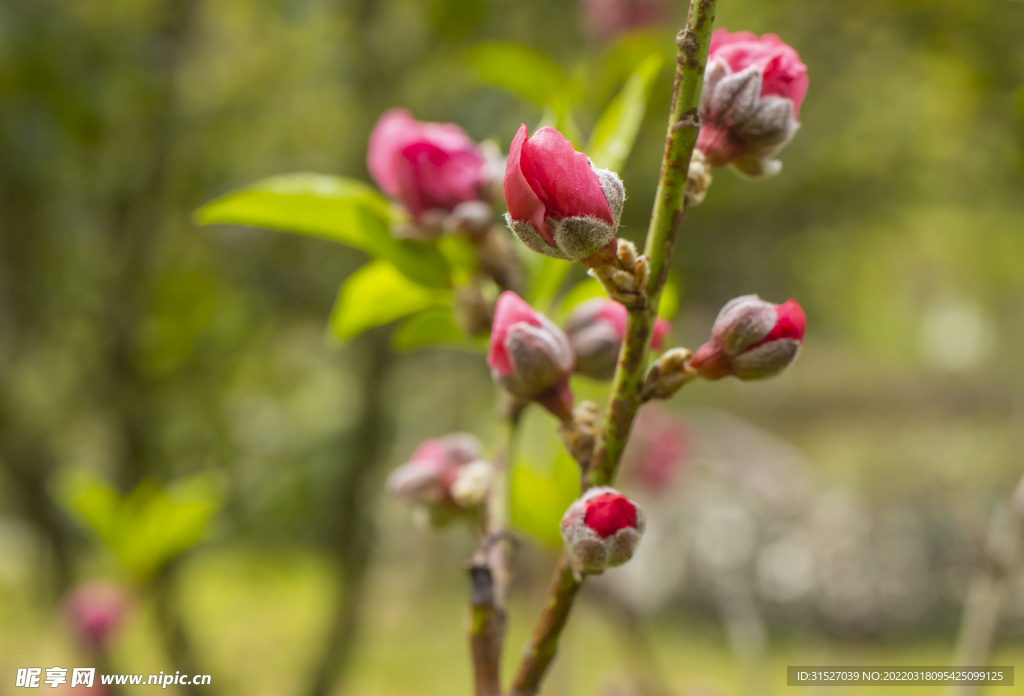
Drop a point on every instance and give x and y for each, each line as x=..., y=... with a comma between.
x=173, y=417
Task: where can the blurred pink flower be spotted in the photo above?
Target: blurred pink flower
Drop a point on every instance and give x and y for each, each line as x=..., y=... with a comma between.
x=95, y=611
x=658, y=448
x=750, y=107
x=427, y=166
x=530, y=356
x=559, y=204
x=605, y=20
x=445, y=474
x=752, y=339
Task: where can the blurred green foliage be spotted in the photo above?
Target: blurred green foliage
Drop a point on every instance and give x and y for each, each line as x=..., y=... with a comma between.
x=138, y=349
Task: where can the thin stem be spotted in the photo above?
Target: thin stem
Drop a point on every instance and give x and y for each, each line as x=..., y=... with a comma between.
x=666, y=221
x=489, y=568
x=989, y=589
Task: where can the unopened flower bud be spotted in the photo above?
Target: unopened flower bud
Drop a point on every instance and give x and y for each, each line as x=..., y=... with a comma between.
x=595, y=330
x=431, y=168
x=530, y=356
x=667, y=375
x=601, y=530
x=559, y=203
x=95, y=610
x=444, y=477
x=750, y=106
x=751, y=339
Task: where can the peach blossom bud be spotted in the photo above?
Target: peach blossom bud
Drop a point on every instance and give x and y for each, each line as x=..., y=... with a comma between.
x=559, y=203
x=595, y=330
x=751, y=339
x=429, y=478
x=750, y=106
x=530, y=356
x=601, y=530
x=430, y=167
x=95, y=611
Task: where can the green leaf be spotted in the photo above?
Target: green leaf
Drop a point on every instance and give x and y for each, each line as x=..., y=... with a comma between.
x=547, y=279
x=617, y=128
x=312, y=204
x=539, y=500
x=335, y=208
x=378, y=294
x=149, y=526
x=429, y=327
x=521, y=69
x=581, y=292
x=668, y=305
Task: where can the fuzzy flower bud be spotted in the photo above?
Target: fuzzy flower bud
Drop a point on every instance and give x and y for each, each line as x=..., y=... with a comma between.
x=530, y=356
x=595, y=330
x=751, y=339
x=95, y=611
x=444, y=475
x=431, y=168
x=750, y=106
x=559, y=203
x=601, y=530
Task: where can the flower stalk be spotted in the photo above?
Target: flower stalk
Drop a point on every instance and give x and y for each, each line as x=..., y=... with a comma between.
x=489, y=567
x=670, y=204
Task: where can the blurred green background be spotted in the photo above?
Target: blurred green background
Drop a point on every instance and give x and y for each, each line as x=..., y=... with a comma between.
x=842, y=507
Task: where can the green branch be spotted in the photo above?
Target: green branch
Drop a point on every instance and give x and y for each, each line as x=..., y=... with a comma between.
x=666, y=221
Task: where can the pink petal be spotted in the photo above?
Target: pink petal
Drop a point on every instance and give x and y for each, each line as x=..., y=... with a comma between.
x=608, y=513
x=522, y=201
x=510, y=309
x=791, y=322
x=562, y=178
x=615, y=314
x=395, y=129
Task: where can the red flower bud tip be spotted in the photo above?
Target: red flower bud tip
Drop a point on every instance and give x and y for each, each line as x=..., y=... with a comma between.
x=750, y=106
x=530, y=356
x=559, y=203
x=601, y=530
x=657, y=450
x=595, y=331
x=607, y=19
x=752, y=339
x=444, y=475
x=427, y=166
x=95, y=611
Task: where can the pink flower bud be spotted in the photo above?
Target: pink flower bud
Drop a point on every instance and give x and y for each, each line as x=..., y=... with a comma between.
x=601, y=530
x=657, y=451
x=595, y=330
x=427, y=166
x=530, y=356
x=559, y=203
x=432, y=469
x=750, y=107
x=95, y=611
x=607, y=19
x=752, y=339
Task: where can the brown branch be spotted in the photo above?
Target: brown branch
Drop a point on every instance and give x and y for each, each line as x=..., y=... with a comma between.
x=489, y=567
x=544, y=643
